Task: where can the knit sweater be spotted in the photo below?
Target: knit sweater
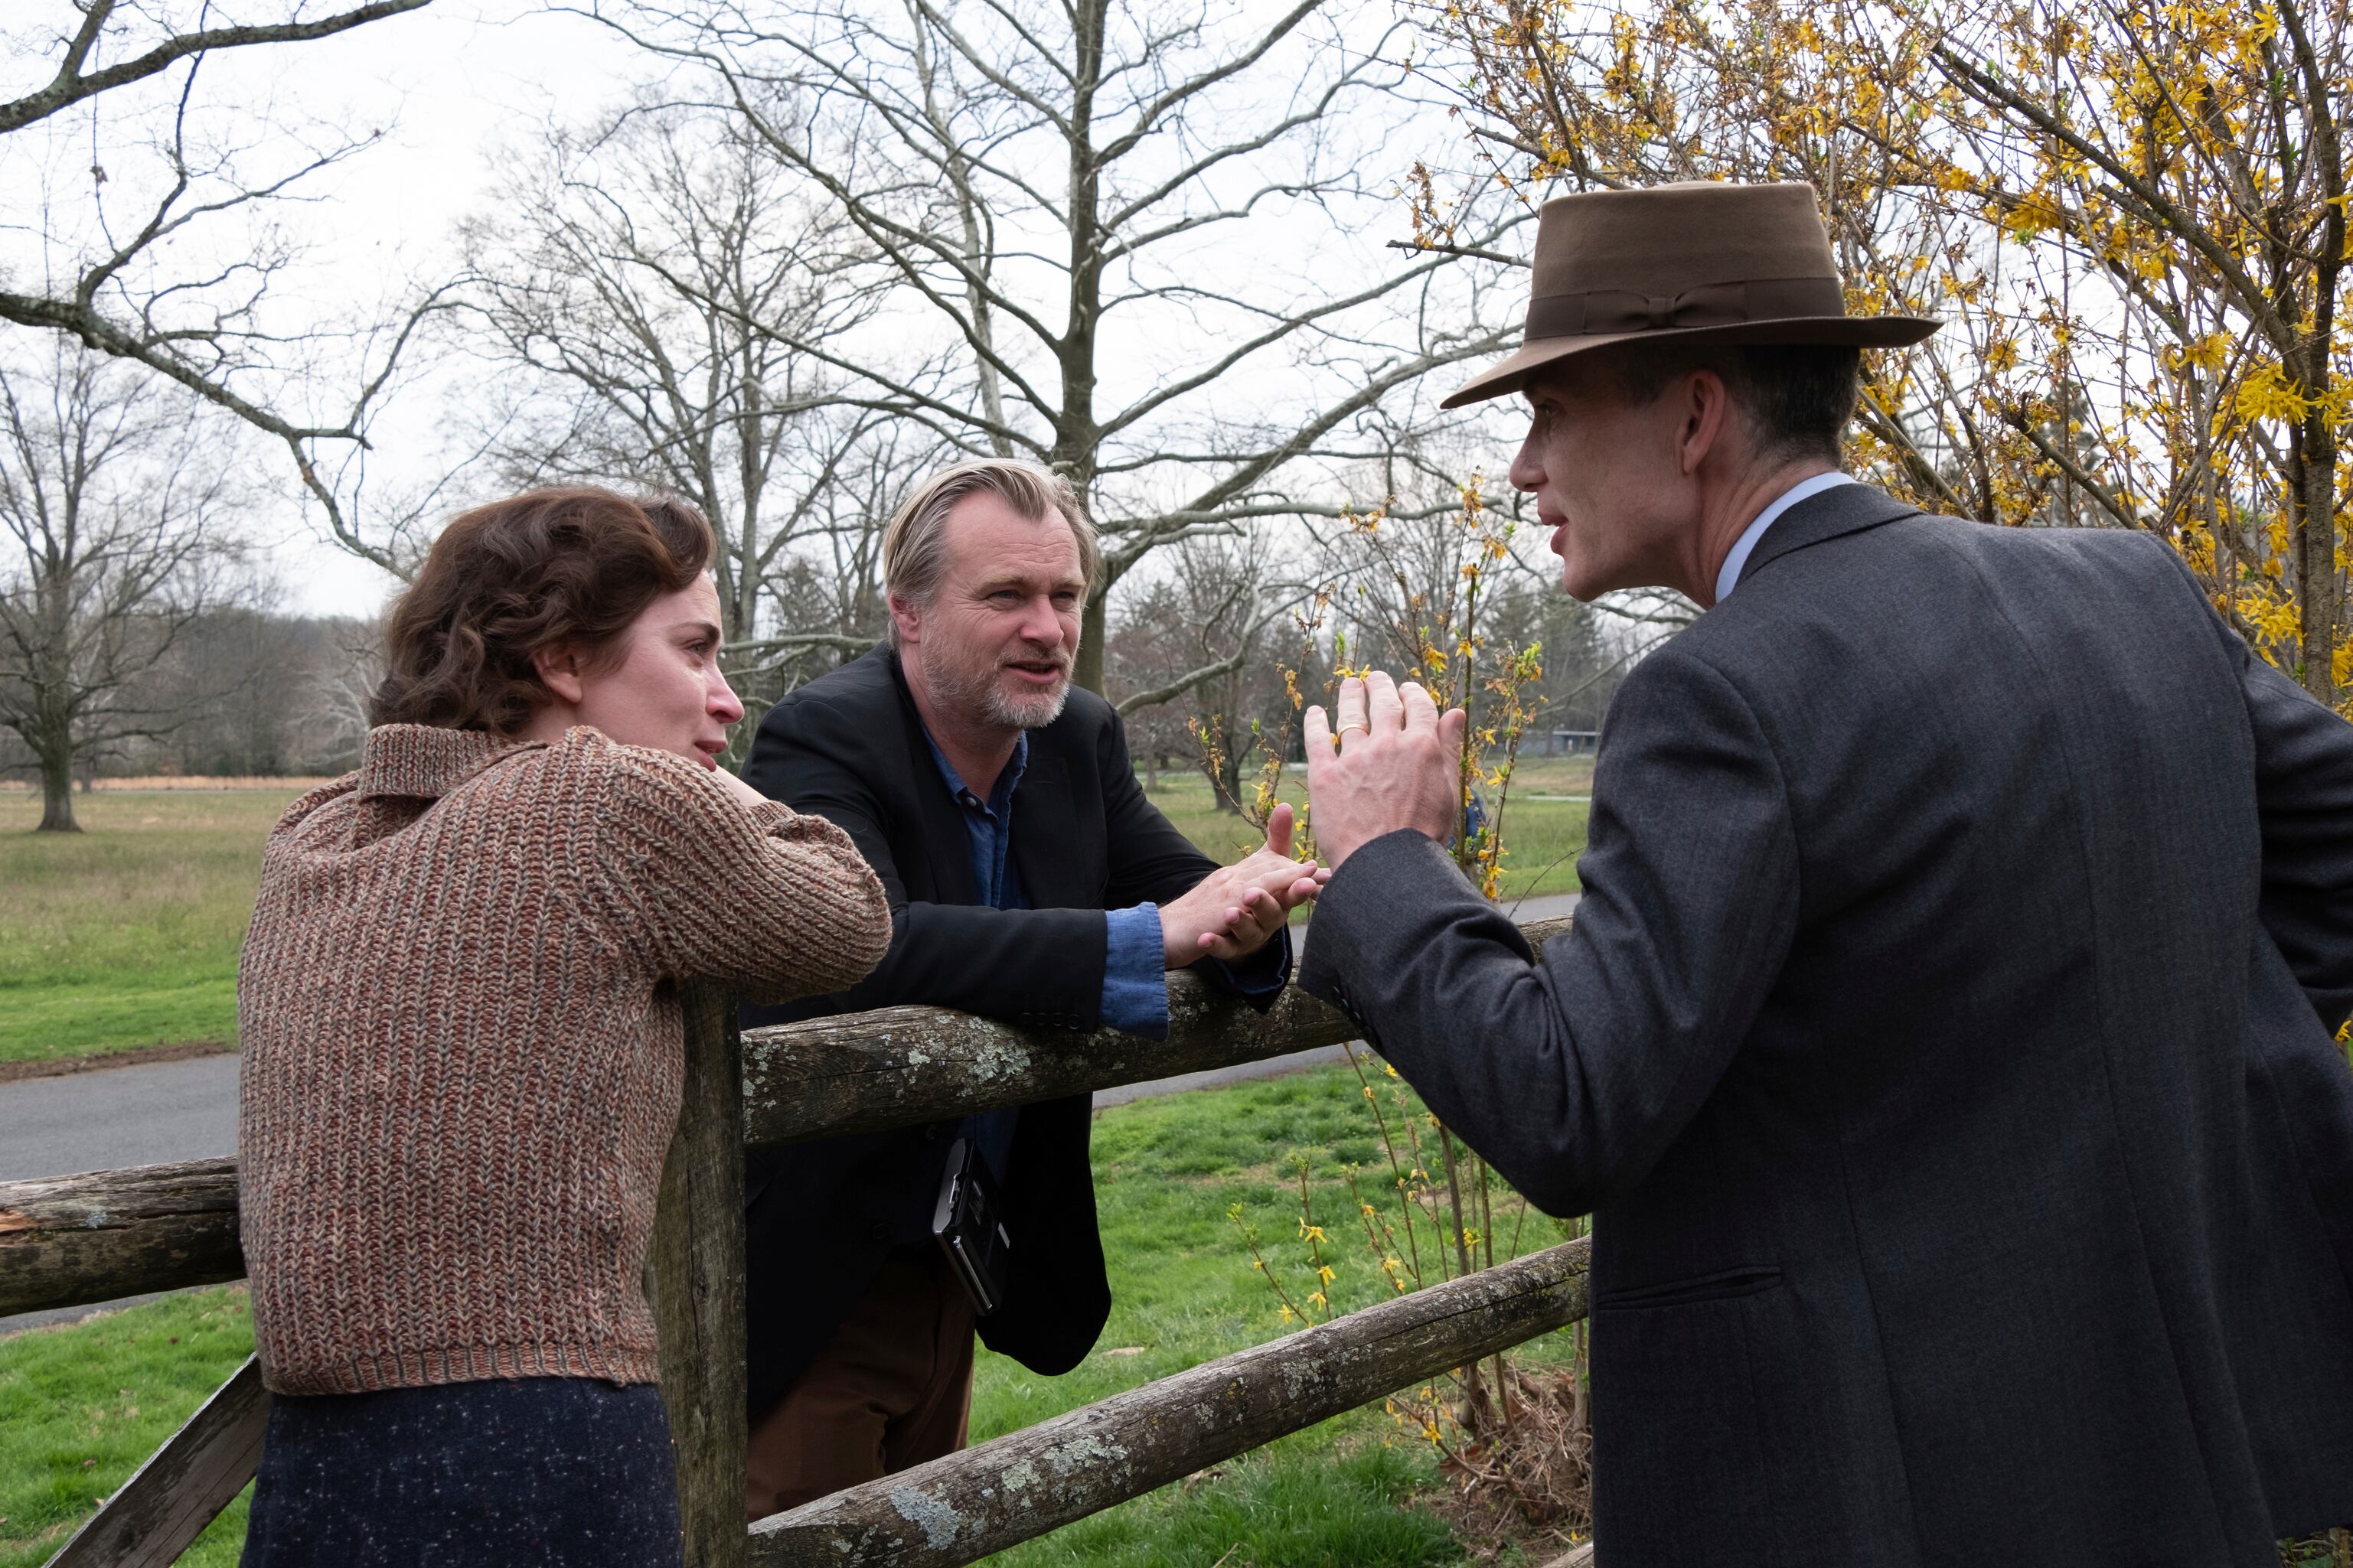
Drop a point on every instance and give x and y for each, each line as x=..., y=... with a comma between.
x=463, y=1043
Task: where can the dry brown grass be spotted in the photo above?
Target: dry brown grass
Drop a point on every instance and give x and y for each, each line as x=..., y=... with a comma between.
x=291, y=785
x=1528, y=1482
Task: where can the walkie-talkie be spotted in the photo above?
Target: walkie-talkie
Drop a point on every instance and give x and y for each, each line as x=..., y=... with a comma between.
x=965, y=1226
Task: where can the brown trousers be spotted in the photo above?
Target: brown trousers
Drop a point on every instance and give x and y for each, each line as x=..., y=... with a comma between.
x=893, y=1388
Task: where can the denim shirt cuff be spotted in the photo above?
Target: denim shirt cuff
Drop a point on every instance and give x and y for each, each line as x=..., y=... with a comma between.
x=1135, y=978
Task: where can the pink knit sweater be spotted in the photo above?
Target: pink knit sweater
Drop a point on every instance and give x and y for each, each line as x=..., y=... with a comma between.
x=462, y=1043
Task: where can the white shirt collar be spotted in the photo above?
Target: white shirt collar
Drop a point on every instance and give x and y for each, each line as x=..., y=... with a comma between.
x=1747, y=542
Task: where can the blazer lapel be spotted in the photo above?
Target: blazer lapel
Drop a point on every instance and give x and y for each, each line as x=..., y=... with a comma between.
x=1837, y=511
x=1045, y=815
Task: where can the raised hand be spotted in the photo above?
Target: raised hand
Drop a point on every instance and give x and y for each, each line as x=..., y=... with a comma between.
x=1233, y=910
x=1391, y=760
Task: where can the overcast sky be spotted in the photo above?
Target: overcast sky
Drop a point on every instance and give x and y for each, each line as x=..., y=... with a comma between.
x=452, y=87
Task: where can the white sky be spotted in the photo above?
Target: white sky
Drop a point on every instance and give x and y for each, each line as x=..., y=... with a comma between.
x=451, y=86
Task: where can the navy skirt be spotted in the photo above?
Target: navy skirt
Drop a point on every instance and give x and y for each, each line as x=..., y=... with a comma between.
x=503, y=1474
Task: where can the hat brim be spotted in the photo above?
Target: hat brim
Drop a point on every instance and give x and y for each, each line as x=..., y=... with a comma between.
x=1514, y=374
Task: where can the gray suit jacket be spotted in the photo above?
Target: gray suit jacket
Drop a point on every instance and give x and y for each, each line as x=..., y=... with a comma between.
x=1943, y=1047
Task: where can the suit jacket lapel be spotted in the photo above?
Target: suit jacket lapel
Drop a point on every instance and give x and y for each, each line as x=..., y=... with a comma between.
x=1842, y=509
x=1043, y=812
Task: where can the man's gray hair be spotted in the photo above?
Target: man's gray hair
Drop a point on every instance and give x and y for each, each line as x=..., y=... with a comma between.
x=914, y=545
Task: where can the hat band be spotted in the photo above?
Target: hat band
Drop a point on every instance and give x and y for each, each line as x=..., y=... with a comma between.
x=1606, y=311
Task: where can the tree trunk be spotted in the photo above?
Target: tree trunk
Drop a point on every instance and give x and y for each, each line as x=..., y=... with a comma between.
x=57, y=790
x=2314, y=474
x=1088, y=670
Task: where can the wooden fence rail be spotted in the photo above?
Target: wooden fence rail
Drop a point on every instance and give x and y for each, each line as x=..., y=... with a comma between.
x=67, y=1241
x=72, y=1240
x=897, y=1066
x=1026, y=1483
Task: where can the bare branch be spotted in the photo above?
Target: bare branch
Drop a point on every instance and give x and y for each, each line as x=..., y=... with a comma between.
x=71, y=86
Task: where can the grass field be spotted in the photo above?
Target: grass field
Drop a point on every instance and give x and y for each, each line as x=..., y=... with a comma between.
x=1541, y=836
x=88, y=1402
x=126, y=934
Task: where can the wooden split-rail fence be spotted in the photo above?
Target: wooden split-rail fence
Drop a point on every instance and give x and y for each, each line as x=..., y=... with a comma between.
x=73, y=1240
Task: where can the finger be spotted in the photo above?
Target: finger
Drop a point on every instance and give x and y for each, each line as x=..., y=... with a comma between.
x=1350, y=708
x=1260, y=912
x=1383, y=711
x=1420, y=707
x=1450, y=726
x=1317, y=732
x=1231, y=948
x=1303, y=891
x=1278, y=830
x=1273, y=880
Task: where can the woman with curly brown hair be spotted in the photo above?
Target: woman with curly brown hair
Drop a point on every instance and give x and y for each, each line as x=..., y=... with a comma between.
x=463, y=1044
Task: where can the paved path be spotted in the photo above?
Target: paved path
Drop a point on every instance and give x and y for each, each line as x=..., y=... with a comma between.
x=187, y=1110
x=122, y=1116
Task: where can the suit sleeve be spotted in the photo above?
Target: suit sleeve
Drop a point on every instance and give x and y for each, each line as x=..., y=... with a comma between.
x=2304, y=794
x=1573, y=1071
x=1042, y=968
x=1153, y=862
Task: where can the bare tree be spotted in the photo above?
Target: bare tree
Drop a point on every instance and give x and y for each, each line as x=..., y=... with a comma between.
x=114, y=501
x=1146, y=232
x=1189, y=664
x=162, y=249
x=329, y=714
x=649, y=277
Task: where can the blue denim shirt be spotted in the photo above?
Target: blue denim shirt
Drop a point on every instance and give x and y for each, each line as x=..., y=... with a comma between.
x=1136, y=983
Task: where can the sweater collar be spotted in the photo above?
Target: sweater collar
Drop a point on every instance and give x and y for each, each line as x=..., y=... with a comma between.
x=425, y=761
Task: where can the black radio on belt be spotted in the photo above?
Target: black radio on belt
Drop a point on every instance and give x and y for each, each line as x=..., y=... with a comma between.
x=966, y=1224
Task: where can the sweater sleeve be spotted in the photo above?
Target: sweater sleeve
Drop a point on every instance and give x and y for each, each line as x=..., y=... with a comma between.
x=771, y=903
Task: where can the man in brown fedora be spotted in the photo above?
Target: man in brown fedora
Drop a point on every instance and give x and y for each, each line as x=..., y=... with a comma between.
x=1943, y=1044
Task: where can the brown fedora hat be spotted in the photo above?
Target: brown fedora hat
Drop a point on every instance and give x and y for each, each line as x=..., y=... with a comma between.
x=1686, y=263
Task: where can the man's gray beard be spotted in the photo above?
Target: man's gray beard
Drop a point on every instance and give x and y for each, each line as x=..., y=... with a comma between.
x=1001, y=706
x=1026, y=712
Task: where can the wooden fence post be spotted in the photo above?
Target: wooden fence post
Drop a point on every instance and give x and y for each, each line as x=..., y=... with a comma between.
x=696, y=1275
x=183, y=1485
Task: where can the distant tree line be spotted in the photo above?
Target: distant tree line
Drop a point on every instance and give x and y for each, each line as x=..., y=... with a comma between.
x=243, y=693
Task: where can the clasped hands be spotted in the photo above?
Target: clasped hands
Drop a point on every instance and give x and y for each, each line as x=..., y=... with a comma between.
x=1384, y=759
x=1231, y=912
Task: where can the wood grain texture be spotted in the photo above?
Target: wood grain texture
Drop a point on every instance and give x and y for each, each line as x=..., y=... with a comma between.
x=897, y=1066
x=183, y=1486
x=968, y=1505
x=696, y=1275
x=67, y=1241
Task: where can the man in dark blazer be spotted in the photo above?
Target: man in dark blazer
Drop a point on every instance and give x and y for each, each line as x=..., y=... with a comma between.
x=1944, y=1042
x=1029, y=880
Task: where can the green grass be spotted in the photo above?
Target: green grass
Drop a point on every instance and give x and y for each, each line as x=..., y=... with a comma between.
x=1167, y=1172
x=126, y=934
x=88, y=1403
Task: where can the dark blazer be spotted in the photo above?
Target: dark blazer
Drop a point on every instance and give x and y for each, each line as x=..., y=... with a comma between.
x=848, y=747
x=1943, y=1048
